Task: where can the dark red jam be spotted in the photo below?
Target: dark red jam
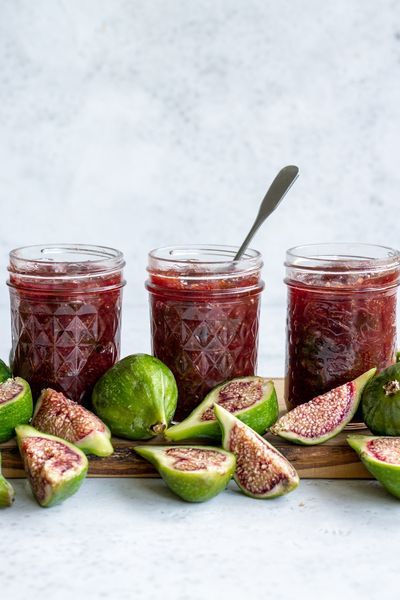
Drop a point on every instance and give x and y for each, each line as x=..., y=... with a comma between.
x=204, y=321
x=65, y=316
x=341, y=322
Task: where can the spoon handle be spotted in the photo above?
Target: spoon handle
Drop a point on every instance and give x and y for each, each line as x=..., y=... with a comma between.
x=275, y=194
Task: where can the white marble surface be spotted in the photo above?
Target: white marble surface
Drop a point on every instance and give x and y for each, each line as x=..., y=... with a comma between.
x=139, y=124
x=124, y=539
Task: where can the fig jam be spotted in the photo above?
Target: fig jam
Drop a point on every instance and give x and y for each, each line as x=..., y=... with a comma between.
x=341, y=318
x=65, y=316
x=204, y=316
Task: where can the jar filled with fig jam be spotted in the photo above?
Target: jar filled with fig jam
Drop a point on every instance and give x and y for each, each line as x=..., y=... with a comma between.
x=204, y=309
x=65, y=315
x=341, y=318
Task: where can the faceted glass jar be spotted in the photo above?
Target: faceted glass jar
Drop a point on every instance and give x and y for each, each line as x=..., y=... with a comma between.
x=341, y=318
x=65, y=315
x=204, y=311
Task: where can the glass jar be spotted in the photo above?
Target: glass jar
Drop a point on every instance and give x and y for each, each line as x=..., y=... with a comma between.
x=204, y=316
x=341, y=318
x=65, y=315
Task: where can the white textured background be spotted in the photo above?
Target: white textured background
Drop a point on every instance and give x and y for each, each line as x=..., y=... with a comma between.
x=143, y=123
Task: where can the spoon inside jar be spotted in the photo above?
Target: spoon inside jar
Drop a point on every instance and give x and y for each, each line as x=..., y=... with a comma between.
x=275, y=194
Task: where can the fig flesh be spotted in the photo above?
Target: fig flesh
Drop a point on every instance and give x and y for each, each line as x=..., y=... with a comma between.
x=324, y=416
x=58, y=415
x=137, y=397
x=55, y=468
x=251, y=399
x=7, y=493
x=380, y=402
x=16, y=406
x=195, y=473
x=381, y=456
x=261, y=470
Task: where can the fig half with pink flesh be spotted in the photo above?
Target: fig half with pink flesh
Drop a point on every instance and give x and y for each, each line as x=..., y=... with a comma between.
x=58, y=415
x=195, y=473
x=252, y=399
x=322, y=417
x=55, y=468
x=381, y=456
x=261, y=470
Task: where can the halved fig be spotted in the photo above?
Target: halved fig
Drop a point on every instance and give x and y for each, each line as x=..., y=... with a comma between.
x=323, y=417
x=195, y=473
x=381, y=456
x=251, y=399
x=261, y=470
x=7, y=493
x=55, y=468
x=16, y=406
x=58, y=415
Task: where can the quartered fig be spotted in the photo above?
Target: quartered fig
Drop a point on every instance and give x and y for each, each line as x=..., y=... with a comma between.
x=381, y=456
x=55, y=468
x=137, y=397
x=58, y=415
x=323, y=417
x=380, y=402
x=251, y=399
x=261, y=470
x=16, y=406
x=7, y=493
x=195, y=473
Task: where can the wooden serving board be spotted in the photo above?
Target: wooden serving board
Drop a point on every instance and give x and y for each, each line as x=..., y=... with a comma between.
x=332, y=460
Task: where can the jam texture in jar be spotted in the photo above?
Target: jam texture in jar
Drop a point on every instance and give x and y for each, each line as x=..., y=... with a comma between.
x=65, y=315
x=341, y=318
x=204, y=312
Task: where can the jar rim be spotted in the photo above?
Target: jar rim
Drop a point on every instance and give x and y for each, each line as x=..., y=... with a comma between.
x=343, y=256
x=66, y=259
x=213, y=257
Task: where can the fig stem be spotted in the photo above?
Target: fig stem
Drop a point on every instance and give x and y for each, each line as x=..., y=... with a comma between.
x=158, y=428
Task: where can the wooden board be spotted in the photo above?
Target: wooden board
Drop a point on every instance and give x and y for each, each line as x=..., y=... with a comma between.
x=332, y=460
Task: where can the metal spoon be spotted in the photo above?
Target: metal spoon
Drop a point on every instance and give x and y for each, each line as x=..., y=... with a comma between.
x=275, y=194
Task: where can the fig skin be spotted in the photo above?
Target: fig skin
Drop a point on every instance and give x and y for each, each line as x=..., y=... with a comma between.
x=58, y=415
x=137, y=397
x=7, y=493
x=387, y=473
x=274, y=478
x=57, y=487
x=259, y=416
x=308, y=424
x=16, y=411
x=191, y=485
x=5, y=372
x=380, y=406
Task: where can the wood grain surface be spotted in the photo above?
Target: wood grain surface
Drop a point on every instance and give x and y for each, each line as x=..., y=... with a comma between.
x=332, y=460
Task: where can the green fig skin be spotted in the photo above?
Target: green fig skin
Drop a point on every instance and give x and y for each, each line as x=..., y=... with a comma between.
x=7, y=493
x=301, y=426
x=388, y=474
x=5, y=372
x=190, y=485
x=259, y=416
x=381, y=410
x=16, y=411
x=68, y=483
x=136, y=398
x=58, y=415
x=276, y=478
